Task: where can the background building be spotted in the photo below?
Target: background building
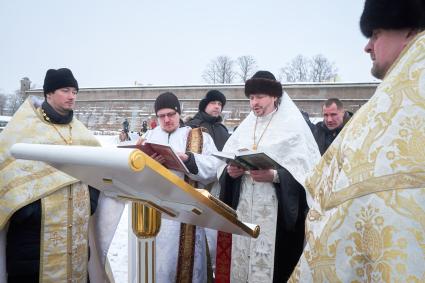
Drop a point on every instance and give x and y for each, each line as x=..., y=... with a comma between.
x=104, y=109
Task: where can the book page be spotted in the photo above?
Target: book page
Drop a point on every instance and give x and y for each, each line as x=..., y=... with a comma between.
x=225, y=156
x=230, y=158
x=172, y=161
x=259, y=160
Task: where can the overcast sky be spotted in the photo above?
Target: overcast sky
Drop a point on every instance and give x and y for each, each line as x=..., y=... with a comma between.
x=116, y=43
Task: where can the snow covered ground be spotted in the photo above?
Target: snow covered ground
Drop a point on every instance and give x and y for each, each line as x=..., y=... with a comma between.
x=118, y=252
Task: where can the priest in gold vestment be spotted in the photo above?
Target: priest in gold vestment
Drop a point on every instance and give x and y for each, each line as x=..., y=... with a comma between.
x=367, y=195
x=45, y=214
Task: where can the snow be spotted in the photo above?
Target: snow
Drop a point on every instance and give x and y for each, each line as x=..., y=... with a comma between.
x=118, y=251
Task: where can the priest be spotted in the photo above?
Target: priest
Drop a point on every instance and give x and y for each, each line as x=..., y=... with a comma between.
x=275, y=199
x=48, y=218
x=367, y=211
x=181, y=249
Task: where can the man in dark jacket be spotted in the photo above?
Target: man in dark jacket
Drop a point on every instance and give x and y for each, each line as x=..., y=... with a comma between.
x=208, y=117
x=334, y=119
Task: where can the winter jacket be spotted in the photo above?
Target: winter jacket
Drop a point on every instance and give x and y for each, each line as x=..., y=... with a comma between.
x=215, y=128
x=324, y=137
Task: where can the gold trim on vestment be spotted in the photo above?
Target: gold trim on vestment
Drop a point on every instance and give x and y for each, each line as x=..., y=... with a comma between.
x=186, y=256
x=373, y=144
x=369, y=186
x=25, y=179
x=64, y=235
x=399, y=181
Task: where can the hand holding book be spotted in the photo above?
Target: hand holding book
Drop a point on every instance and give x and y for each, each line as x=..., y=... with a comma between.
x=266, y=175
x=162, y=153
x=234, y=170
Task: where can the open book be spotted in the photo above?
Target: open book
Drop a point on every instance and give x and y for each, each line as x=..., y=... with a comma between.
x=172, y=161
x=249, y=160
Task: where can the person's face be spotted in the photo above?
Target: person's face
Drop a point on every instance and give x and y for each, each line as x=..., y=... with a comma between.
x=214, y=108
x=63, y=99
x=169, y=119
x=384, y=47
x=332, y=116
x=262, y=104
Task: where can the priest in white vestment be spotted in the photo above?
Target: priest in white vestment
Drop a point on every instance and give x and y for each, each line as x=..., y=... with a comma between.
x=367, y=207
x=275, y=199
x=194, y=148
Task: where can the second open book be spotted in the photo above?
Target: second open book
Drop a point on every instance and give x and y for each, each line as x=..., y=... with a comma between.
x=249, y=160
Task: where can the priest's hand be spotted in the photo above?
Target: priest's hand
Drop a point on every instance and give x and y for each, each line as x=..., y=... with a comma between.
x=158, y=157
x=234, y=171
x=140, y=141
x=262, y=175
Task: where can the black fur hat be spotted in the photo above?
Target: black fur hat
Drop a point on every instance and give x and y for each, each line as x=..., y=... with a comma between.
x=263, y=82
x=56, y=79
x=167, y=100
x=212, y=95
x=392, y=14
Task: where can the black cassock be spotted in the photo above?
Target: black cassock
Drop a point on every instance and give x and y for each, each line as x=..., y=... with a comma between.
x=292, y=210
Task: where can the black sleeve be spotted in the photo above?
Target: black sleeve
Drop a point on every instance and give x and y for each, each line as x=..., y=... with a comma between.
x=191, y=124
x=94, y=197
x=230, y=189
x=292, y=200
x=191, y=163
x=307, y=120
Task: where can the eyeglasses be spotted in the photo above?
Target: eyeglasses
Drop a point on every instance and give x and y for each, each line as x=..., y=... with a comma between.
x=169, y=115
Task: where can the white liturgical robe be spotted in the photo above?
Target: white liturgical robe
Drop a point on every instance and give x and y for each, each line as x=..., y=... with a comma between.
x=167, y=241
x=286, y=138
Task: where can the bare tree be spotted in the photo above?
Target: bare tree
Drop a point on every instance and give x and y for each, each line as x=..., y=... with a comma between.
x=210, y=74
x=3, y=103
x=296, y=71
x=247, y=66
x=321, y=69
x=219, y=70
x=303, y=69
x=14, y=101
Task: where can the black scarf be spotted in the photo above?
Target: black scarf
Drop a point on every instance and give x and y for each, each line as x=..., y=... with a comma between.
x=54, y=116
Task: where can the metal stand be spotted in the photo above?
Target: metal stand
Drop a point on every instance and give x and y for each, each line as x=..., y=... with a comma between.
x=146, y=222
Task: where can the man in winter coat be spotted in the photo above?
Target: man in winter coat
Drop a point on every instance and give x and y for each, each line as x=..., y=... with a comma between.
x=208, y=117
x=334, y=119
